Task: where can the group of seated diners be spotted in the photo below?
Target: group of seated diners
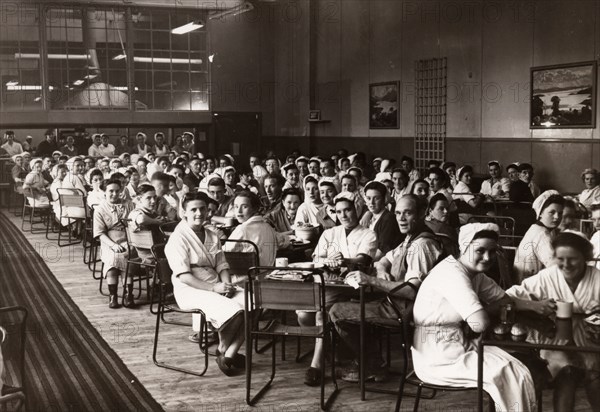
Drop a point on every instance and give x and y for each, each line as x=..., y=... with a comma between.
x=386, y=225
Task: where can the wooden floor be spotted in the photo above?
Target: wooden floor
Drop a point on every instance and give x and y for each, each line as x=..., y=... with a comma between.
x=130, y=332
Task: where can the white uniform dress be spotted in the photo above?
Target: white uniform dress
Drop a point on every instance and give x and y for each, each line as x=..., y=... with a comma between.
x=442, y=355
x=257, y=230
x=534, y=252
x=187, y=254
x=551, y=284
x=307, y=213
x=590, y=196
x=494, y=190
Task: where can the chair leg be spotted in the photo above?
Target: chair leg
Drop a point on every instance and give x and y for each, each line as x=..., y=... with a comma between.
x=325, y=404
x=417, y=398
x=252, y=401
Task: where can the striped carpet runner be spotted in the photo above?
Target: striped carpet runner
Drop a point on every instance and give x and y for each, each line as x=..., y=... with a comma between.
x=69, y=367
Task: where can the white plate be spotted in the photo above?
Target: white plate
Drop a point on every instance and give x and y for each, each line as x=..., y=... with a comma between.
x=304, y=265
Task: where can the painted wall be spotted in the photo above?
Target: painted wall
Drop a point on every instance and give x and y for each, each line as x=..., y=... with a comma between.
x=490, y=46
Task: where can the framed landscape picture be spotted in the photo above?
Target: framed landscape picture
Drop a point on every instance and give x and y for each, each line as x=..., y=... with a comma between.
x=563, y=96
x=384, y=105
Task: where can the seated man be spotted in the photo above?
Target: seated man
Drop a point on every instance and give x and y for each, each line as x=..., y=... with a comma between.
x=216, y=191
x=524, y=189
x=273, y=185
x=410, y=262
x=347, y=245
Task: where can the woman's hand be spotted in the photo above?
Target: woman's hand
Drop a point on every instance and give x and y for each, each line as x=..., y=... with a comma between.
x=544, y=307
x=223, y=288
x=117, y=248
x=335, y=260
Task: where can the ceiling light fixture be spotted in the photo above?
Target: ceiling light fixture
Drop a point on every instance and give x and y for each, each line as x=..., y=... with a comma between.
x=186, y=28
x=12, y=83
x=53, y=56
x=26, y=87
x=90, y=76
x=77, y=82
x=166, y=60
x=120, y=56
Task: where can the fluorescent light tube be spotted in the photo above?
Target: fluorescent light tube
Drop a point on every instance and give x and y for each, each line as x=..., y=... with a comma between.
x=186, y=28
x=77, y=82
x=53, y=56
x=166, y=60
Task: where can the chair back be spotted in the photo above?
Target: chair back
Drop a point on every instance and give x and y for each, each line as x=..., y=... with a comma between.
x=505, y=223
x=283, y=294
x=404, y=317
x=71, y=198
x=163, y=270
x=240, y=261
x=139, y=239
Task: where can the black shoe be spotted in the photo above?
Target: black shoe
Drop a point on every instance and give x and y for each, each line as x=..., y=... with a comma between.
x=194, y=337
x=226, y=365
x=129, y=302
x=312, y=377
x=113, y=302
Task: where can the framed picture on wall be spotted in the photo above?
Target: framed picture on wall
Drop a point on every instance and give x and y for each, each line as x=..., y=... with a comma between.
x=384, y=105
x=563, y=96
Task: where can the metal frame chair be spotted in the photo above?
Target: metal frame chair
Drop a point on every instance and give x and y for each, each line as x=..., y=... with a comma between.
x=285, y=295
x=44, y=211
x=164, y=280
x=16, y=393
x=138, y=239
x=74, y=199
x=405, y=321
x=15, y=199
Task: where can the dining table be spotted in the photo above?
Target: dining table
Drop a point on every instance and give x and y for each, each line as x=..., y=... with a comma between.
x=538, y=333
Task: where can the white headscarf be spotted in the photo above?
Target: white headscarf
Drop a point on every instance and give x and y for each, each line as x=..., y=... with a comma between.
x=538, y=203
x=468, y=232
x=345, y=195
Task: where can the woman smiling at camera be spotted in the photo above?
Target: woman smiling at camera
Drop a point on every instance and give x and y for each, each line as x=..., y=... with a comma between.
x=568, y=280
x=452, y=304
x=535, y=250
x=254, y=228
x=201, y=280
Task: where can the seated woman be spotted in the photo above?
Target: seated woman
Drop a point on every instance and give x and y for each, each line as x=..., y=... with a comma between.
x=535, y=252
x=254, y=228
x=420, y=188
x=569, y=279
x=201, y=280
x=591, y=193
x=307, y=211
x=438, y=218
x=349, y=245
x=284, y=218
x=466, y=201
x=379, y=219
x=326, y=216
x=496, y=185
x=18, y=173
x=350, y=184
x=452, y=303
x=134, y=182
x=96, y=195
x=38, y=185
x=75, y=179
x=113, y=241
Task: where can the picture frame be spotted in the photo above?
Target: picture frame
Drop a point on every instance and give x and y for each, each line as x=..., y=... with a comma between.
x=384, y=105
x=314, y=115
x=563, y=96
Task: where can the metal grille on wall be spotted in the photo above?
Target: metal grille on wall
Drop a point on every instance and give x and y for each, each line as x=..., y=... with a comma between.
x=430, y=111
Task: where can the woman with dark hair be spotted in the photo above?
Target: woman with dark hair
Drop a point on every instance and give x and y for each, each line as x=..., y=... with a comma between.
x=420, y=188
x=569, y=279
x=326, y=216
x=379, y=219
x=462, y=191
x=201, y=280
x=438, y=217
x=535, y=251
x=496, y=185
x=453, y=302
x=113, y=242
x=253, y=227
x=284, y=217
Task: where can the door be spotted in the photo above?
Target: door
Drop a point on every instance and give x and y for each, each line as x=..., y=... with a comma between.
x=237, y=133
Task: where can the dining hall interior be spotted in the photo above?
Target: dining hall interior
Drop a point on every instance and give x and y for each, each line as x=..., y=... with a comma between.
x=299, y=205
